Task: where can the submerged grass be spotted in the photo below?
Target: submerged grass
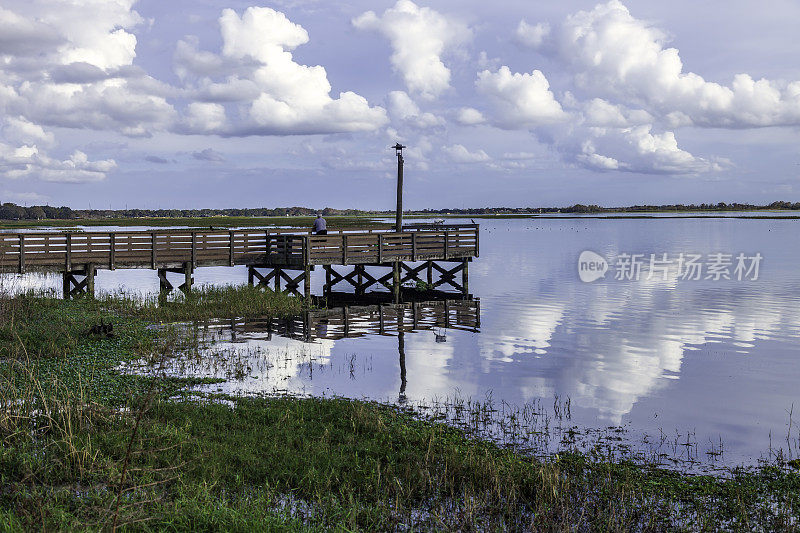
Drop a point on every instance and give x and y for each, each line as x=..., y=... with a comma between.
x=203, y=303
x=85, y=447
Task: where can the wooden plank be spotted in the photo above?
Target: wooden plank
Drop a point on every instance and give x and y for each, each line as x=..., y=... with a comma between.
x=153, y=250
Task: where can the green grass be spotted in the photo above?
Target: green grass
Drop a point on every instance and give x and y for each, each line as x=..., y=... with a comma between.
x=49, y=337
x=78, y=439
x=352, y=465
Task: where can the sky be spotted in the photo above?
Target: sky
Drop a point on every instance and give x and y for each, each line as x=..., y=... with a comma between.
x=206, y=103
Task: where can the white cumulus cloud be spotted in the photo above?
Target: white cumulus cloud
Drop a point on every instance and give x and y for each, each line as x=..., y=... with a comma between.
x=403, y=108
x=531, y=35
x=458, y=153
x=469, y=116
x=418, y=36
x=635, y=149
x=617, y=55
x=27, y=162
x=69, y=63
x=519, y=99
x=20, y=129
x=277, y=95
x=205, y=117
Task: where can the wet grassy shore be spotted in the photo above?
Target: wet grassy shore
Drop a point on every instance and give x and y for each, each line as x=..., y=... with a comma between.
x=83, y=446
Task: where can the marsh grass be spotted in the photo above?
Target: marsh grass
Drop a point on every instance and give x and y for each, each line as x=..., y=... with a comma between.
x=204, y=302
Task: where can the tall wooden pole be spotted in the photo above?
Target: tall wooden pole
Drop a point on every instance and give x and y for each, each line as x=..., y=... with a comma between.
x=399, y=217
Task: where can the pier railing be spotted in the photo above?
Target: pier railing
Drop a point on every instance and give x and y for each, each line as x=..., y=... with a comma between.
x=21, y=252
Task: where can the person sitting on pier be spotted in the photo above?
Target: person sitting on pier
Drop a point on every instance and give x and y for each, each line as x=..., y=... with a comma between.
x=320, y=226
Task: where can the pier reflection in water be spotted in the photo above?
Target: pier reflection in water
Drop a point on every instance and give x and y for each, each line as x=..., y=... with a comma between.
x=312, y=353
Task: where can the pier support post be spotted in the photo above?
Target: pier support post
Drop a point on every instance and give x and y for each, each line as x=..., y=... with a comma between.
x=163, y=283
x=166, y=286
x=73, y=286
x=307, y=282
x=396, y=282
x=359, y=270
x=187, y=277
x=465, y=278
x=90, y=272
x=328, y=279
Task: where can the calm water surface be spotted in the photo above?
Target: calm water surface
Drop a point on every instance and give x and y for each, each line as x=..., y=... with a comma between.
x=714, y=360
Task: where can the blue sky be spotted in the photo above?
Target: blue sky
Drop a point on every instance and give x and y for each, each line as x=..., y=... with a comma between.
x=235, y=104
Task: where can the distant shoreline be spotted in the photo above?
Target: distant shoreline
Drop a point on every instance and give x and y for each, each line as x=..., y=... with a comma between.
x=12, y=215
x=376, y=220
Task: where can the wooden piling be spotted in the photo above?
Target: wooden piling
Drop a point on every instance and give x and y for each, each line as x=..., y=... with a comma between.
x=187, y=277
x=112, y=243
x=66, y=282
x=465, y=278
x=21, y=253
x=396, y=282
x=307, y=282
x=90, y=272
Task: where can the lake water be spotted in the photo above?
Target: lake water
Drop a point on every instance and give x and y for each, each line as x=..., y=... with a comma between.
x=712, y=362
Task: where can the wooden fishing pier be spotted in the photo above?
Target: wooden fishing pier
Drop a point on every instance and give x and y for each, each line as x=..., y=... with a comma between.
x=281, y=259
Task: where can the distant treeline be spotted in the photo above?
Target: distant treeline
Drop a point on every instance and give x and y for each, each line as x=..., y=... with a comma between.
x=580, y=208
x=10, y=211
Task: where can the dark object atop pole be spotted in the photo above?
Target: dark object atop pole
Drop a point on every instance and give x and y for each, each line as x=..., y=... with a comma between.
x=399, y=219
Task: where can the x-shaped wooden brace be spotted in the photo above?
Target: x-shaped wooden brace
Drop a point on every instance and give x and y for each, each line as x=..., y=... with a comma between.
x=412, y=274
x=448, y=276
x=263, y=280
x=77, y=287
x=333, y=277
x=292, y=284
x=352, y=278
x=165, y=284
